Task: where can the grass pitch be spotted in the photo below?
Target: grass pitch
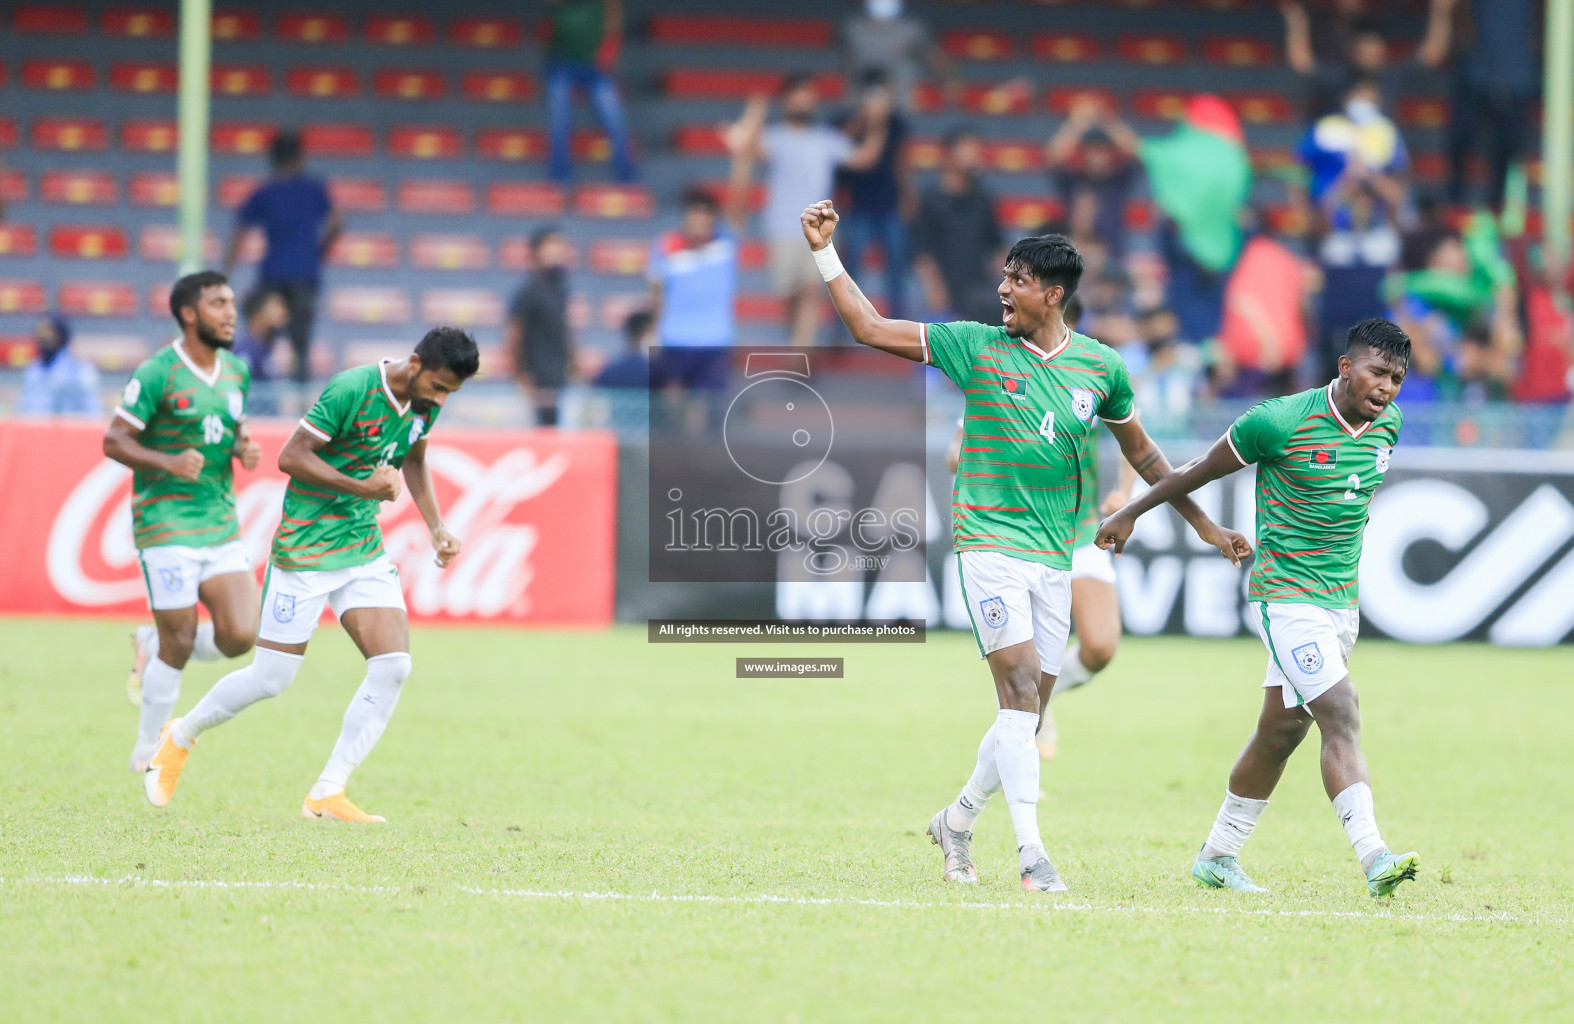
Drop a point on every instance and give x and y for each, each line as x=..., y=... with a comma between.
x=586, y=827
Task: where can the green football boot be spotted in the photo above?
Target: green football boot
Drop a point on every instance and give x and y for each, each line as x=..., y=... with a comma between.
x=1389, y=869
x=1223, y=873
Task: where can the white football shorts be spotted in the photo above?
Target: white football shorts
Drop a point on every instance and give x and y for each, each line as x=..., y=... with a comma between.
x=1012, y=600
x=1308, y=647
x=1093, y=563
x=173, y=572
x=292, y=602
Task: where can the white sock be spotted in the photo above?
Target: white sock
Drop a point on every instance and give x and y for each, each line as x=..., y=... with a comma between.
x=1072, y=672
x=1016, y=755
x=1237, y=817
x=204, y=649
x=160, y=691
x=1354, y=807
x=983, y=784
x=269, y=674
x=364, y=720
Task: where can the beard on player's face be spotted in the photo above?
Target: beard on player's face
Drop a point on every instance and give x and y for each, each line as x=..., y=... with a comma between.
x=216, y=335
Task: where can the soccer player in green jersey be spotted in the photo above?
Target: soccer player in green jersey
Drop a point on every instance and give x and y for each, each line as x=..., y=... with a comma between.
x=180, y=426
x=1034, y=388
x=1320, y=456
x=343, y=461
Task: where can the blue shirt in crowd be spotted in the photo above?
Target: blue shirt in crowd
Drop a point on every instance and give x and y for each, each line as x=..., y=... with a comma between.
x=699, y=287
x=291, y=211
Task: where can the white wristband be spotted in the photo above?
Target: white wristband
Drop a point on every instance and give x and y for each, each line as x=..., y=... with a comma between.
x=829, y=263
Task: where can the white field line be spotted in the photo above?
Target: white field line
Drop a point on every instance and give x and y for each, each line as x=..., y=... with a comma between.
x=567, y=895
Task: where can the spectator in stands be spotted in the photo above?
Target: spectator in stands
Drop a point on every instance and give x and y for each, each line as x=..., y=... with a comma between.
x=1496, y=79
x=57, y=382
x=879, y=200
x=693, y=273
x=1166, y=381
x=538, y=332
x=897, y=45
x=581, y=53
x=1352, y=42
x=296, y=215
x=632, y=369
x=957, y=239
x=800, y=158
x=1092, y=163
x=264, y=317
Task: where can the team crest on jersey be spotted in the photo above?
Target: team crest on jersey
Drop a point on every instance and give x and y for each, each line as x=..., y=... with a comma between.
x=283, y=607
x=416, y=426
x=1014, y=384
x=1309, y=656
x=994, y=609
x=1383, y=455
x=1323, y=457
x=237, y=405
x=1082, y=401
x=171, y=577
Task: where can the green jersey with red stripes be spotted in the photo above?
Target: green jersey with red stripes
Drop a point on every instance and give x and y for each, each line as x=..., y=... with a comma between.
x=1088, y=521
x=1022, y=483
x=176, y=406
x=1316, y=475
x=364, y=427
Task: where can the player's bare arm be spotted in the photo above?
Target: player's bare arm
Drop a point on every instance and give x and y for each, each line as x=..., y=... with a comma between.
x=899, y=337
x=1220, y=461
x=300, y=461
x=247, y=452
x=418, y=477
x=1150, y=464
x=122, y=442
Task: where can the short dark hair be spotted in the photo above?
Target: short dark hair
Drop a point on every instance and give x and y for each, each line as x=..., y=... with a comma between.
x=449, y=348
x=637, y=324
x=539, y=236
x=1052, y=259
x=955, y=135
x=872, y=78
x=1380, y=335
x=796, y=80
x=699, y=195
x=285, y=148
x=255, y=301
x=188, y=290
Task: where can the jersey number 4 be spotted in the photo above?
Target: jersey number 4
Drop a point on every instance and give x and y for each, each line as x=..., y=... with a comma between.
x=1046, y=426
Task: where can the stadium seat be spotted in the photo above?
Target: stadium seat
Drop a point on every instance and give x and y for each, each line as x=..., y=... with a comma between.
x=160, y=243
x=752, y=202
x=13, y=185
x=979, y=99
x=17, y=350
x=1422, y=112
x=1239, y=51
x=365, y=249
x=241, y=138
x=498, y=86
x=436, y=196
x=18, y=240
x=358, y=195
x=1262, y=107
x=759, y=308
x=1027, y=213
x=313, y=28
x=399, y=30
x=154, y=188
x=1060, y=101
x=924, y=154
x=524, y=199
x=143, y=77
x=1159, y=104
x=49, y=19
x=1150, y=49
x=416, y=142
x=511, y=144
x=241, y=80
x=753, y=255
x=1013, y=155
x=69, y=134
x=698, y=140
x=619, y=255
x=972, y=44
x=449, y=252
x=25, y=297
x=513, y=253
x=79, y=188
x=591, y=146
x=98, y=298
x=338, y=140
x=322, y=82
x=368, y=304
x=235, y=189
x=1271, y=161
x=71, y=241
x=462, y=307
x=409, y=85
x=1065, y=48
x=614, y=202
x=7, y=133
x=143, y=135
x=739, y=84
x=138, y=22
x=236, y=26
x=59, y=75
x=713, y=30
x=484, y=33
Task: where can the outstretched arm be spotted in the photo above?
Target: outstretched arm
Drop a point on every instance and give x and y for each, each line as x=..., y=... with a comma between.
x=1220, y=461
x=899, y=337
x=1150, y=464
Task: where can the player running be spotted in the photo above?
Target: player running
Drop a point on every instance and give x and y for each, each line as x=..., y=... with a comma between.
x=180, y=426
x=1320, y=456
x=1033, y=388
x=343, y=460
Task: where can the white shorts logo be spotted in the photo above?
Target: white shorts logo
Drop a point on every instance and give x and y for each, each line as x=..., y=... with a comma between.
x=1309, y=656
x=283, y=607
x=1082, y=403
x=994, y=609
x=171, y=577
x=1383, y=455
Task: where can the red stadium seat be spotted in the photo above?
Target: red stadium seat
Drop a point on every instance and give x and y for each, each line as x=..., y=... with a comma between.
x=376, y=249
x=738, y=83
x=235, y=189
x=154, y=188
x=70, y=134
x=700, y=140
x=26, y=297
x=1065, y=47
x=7, y=133
x=1026, y=213
x=358, y=195
x=409, y=85
x=49, y=20
x=322, y=83
x=1060, y=101
x=591, y=146
x=753, y=255
x=13, y=185
x=350, y=304
x=142, y=135
x=498, y=86
x=58, y=75
x=236, y=26
x=1262, y=107
x=973, y=44
x=98, y=298
x=241, y=80
x=313, y=28
x=484, y=33
x=449, y=252
x=712, y=30
x=242, y=138
x=614, y=202
x=74, y=241
x=17, y=350
x=1013, y=155
x=760, y=308
x=1139, y=215
x=924, y=154
x=619, y=256
x=436, y=196
x=138, y=22
x=143, y=76
x=1422, y=112
x=751, y=202
x=18, y=240
x=524, y=199
x=1160, y=103
x=512, y=144
x=980, y=99
x=160, y=243
x=400, y=30
x=338, y=140
x=1270, y=161
x=1239, y=51
x=79, y=188
x=462, y=307
x=1150, y=49
x=513, y=253
x=413, y=142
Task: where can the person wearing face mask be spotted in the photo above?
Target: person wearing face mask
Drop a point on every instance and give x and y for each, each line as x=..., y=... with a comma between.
x=896, y=44
x=57, y=382
x=880, y=199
